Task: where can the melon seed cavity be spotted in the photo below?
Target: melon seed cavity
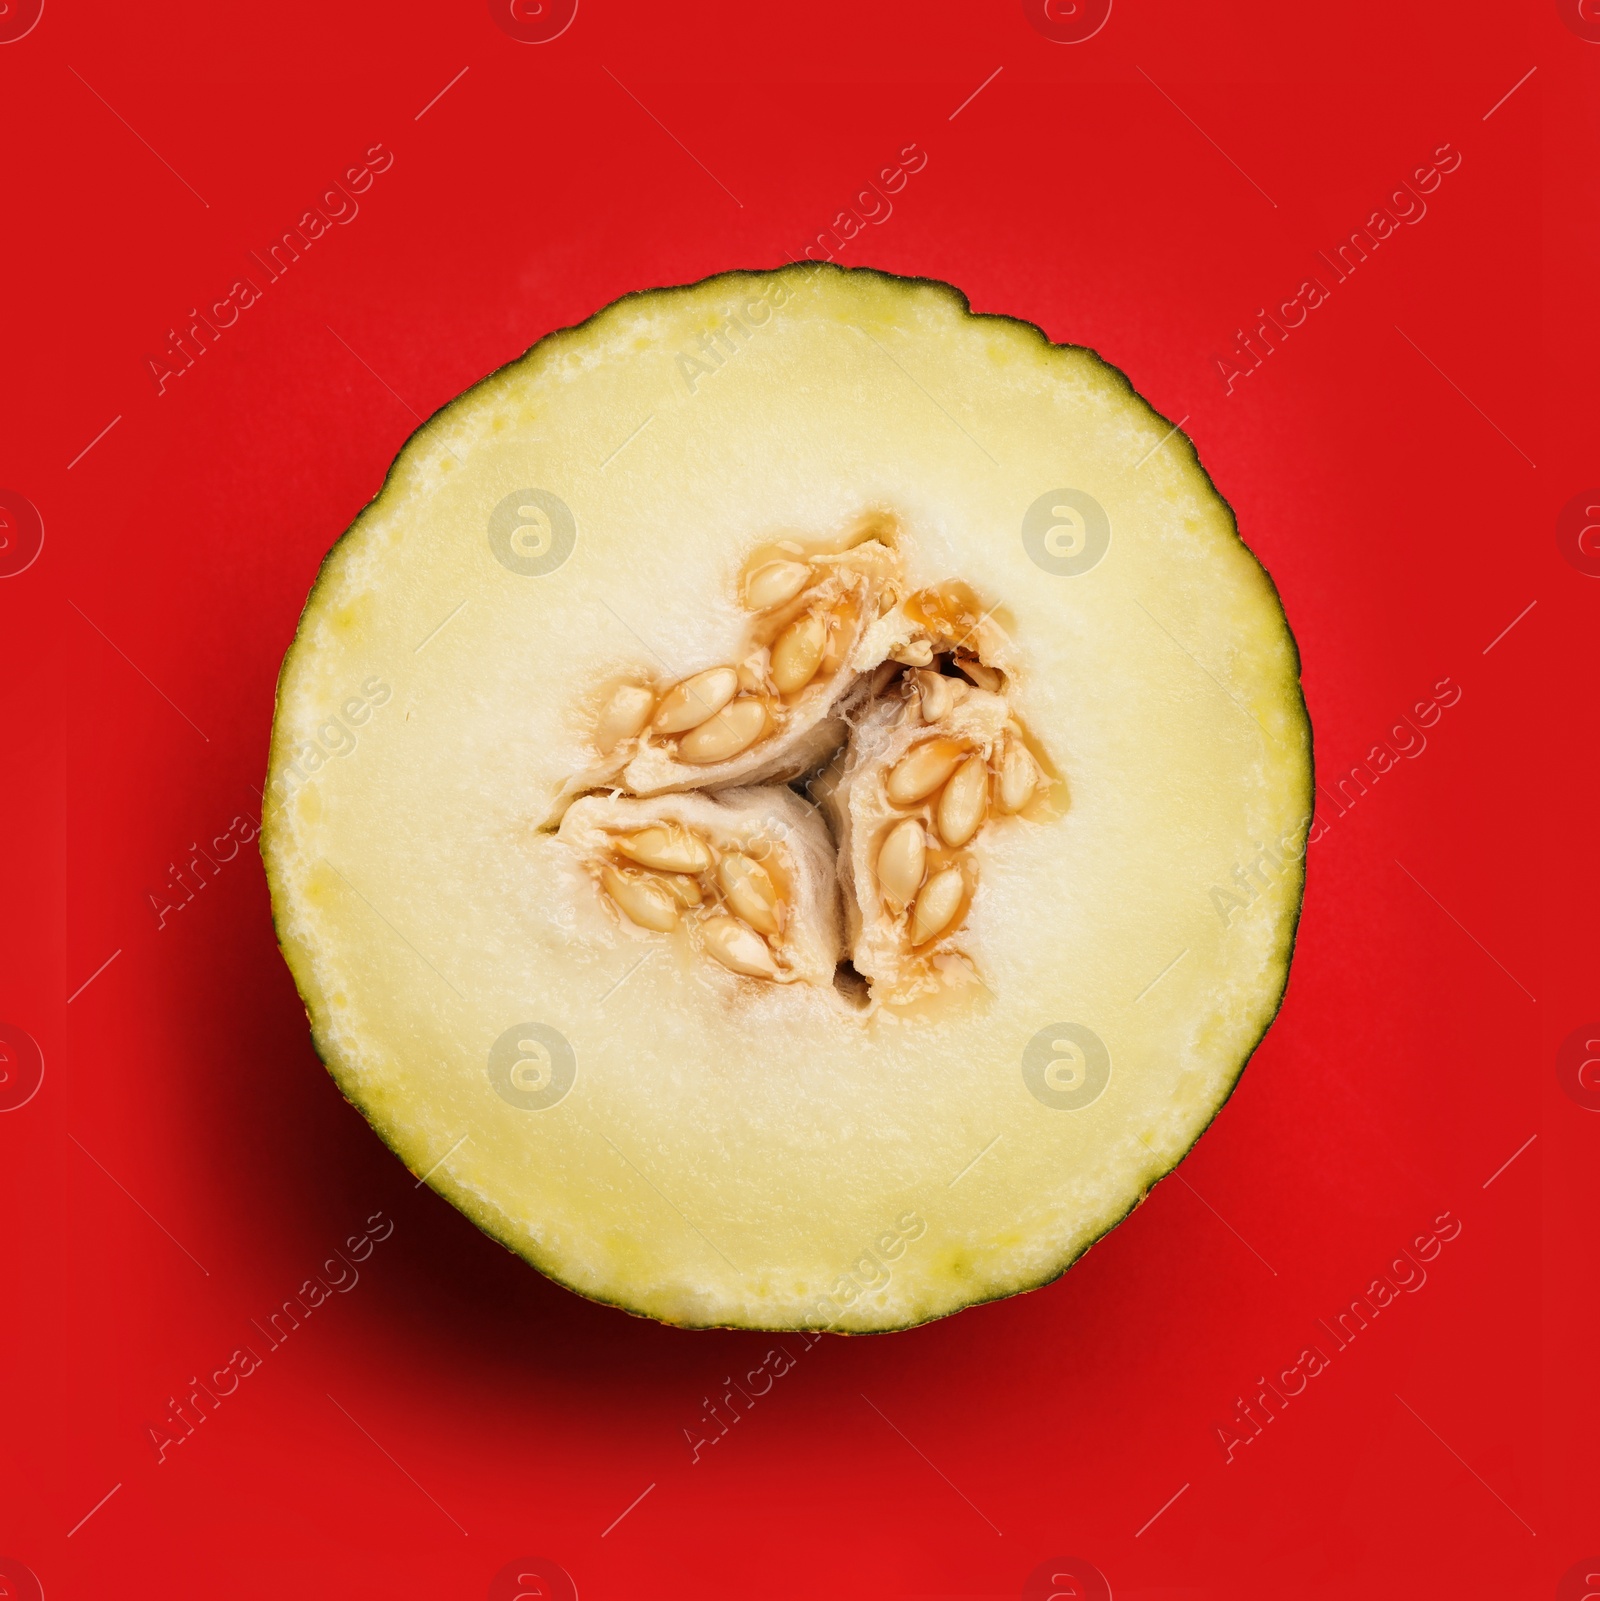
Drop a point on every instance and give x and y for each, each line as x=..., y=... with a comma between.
x=904, y=731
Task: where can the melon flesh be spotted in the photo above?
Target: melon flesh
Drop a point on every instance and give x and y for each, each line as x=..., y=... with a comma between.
x=643, y=1125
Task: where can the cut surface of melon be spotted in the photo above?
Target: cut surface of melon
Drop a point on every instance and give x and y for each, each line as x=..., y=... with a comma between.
x=597, y=829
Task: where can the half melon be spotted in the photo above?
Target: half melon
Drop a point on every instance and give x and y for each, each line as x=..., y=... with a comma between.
x=788, y=809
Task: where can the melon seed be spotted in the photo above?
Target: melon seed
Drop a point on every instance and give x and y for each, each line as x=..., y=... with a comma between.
x=668, y=847
x=1019, y=777
x=625, y=714
x=798, y=653
x=984, y=677
x=918, y=653
x=645, y=901
x=738, y=948
x=683, y=889
x=964, y=801
x=936, y=695
x=841, y=634
x=922, y=770
x=901, y=859
x=751, y=892
x=737, y=726
x=937, y=905
x=772, y=585
x=696, y=699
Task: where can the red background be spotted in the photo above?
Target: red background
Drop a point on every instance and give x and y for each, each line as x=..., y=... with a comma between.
x=455, y=1411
